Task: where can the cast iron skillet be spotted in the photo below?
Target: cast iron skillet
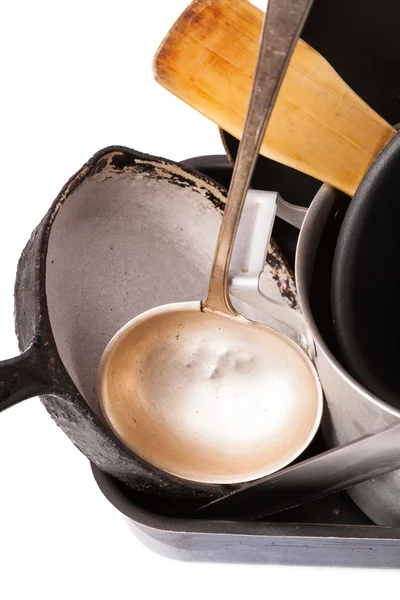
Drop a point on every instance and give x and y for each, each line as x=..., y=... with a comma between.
x=47, y=296
x=126, y=233
x=366, y=279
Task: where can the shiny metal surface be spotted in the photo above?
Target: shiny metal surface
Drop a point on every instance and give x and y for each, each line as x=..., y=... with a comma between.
x=248, y=263
x=351, y=410
x=209, y=398
x=195, y=388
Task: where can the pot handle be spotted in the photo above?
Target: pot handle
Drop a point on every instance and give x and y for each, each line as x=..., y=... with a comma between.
x=248, y=259
x=21, y=378
x=291, y=213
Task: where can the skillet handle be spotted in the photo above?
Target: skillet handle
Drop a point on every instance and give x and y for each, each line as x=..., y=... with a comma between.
x=21, y=378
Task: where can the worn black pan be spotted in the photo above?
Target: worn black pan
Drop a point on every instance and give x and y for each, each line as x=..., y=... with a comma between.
x=126, y=233
x=79, y=279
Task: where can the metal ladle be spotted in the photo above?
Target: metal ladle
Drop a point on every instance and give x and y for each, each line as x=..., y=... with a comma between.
x=195, y=388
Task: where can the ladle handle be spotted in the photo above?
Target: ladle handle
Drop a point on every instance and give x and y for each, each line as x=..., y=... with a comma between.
x=283, y=22
x=21, y=378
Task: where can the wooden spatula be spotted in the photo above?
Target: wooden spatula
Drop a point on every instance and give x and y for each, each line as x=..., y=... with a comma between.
x=319, y=126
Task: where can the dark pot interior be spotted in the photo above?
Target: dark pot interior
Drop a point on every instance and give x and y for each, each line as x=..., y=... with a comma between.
x=366, y=279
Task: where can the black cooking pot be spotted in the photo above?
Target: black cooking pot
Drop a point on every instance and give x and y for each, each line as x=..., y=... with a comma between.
x=366, y=279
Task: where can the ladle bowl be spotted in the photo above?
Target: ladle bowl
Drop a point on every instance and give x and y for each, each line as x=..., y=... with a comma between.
x=174, y=384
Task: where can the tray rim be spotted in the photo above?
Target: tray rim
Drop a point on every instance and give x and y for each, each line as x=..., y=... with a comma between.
x=148, y=520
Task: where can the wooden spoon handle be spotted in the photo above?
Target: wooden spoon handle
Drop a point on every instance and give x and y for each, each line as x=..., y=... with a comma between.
x=319, y=126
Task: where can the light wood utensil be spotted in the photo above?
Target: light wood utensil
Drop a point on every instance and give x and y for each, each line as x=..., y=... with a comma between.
x=319, y=125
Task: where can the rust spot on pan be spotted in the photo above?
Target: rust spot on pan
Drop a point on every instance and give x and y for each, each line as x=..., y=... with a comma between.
x=100, y=165
x=283, y=275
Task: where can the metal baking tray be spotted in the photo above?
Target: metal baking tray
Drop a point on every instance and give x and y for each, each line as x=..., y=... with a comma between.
x=330, y=532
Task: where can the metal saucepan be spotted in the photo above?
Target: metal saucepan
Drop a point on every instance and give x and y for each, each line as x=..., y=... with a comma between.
x=352, y=411
x=126, y=233
x=324, y=474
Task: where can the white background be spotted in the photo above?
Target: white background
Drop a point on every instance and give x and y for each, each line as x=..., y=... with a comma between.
x=75, y=77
